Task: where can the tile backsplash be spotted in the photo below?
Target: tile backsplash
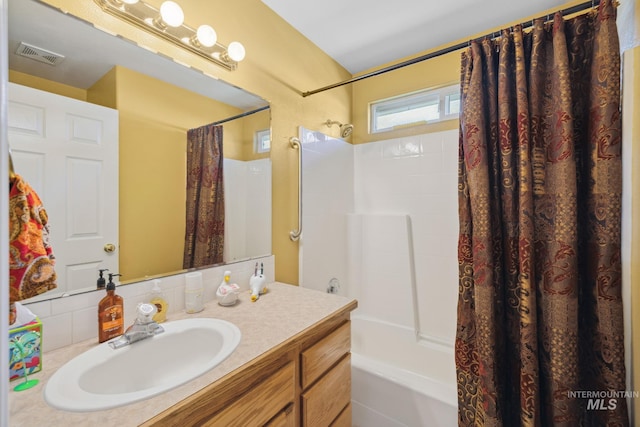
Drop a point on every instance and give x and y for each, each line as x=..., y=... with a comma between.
x=71, y=319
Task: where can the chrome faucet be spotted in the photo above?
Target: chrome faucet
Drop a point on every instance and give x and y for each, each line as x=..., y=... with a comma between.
x=144, y=327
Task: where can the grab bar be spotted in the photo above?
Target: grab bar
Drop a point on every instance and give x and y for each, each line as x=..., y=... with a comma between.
x=294, y=235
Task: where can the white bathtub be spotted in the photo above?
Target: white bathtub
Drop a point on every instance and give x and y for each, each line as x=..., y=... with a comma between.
x=398, y=380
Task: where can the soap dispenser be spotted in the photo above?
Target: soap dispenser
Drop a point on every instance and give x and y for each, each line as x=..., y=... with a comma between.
x=110, y=313
x=101, y=282
x=156, y=298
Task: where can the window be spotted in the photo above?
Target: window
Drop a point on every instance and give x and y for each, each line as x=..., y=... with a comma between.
x=422, y=107
x=262, y=141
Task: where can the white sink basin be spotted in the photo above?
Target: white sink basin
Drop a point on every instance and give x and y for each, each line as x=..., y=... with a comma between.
x=103, y=378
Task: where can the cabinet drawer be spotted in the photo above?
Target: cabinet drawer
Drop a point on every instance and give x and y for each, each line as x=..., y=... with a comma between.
x=261, y=403
x=325, y=353
x=326, y=399
x=285, y=418
x=344, y=419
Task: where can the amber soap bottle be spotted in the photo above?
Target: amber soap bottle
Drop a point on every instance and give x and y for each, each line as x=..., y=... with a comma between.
x=110, y=313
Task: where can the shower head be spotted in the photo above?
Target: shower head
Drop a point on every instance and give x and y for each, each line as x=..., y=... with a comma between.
x=345, y=129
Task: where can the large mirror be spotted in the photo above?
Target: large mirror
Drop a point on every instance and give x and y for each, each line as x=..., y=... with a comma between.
x=157, y=101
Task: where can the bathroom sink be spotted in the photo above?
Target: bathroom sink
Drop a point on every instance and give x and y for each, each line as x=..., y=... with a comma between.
x=103, y=378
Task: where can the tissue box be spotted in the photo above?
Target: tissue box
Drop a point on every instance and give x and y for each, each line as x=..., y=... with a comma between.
x=29, y=337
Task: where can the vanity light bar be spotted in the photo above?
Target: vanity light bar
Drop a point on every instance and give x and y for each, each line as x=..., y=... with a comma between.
x=172, y=29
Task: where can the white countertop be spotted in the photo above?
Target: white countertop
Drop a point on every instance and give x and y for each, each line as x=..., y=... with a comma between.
x=276, y=317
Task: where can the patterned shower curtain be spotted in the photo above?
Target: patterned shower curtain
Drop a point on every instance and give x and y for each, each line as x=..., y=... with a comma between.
x=204, y=236
x=540, y=327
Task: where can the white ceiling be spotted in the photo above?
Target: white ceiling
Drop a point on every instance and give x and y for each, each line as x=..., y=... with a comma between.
x=364, y=34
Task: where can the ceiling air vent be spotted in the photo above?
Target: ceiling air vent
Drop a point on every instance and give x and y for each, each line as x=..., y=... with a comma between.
x=39, y=54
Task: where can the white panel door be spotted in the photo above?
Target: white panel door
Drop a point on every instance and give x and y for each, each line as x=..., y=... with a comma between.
x=67, y=150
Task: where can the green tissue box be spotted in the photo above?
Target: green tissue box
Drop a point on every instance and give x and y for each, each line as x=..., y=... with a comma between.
x=25, y=349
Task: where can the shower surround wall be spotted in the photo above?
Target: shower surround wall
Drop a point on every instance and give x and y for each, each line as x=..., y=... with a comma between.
x=247, y=189
x=327, y=196
x=382, y=218
x=416, y=177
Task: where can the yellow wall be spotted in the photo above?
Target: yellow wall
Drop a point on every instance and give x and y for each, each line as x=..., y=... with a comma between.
x=103, y=92
x=47, y=85
x=239, y=135
x=280, y=65
x=250, y=125
x=437, y=72
x=233, y=136
x=154, y=120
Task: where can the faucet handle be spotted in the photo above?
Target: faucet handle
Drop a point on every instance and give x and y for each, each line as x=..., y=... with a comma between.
x=145, y=312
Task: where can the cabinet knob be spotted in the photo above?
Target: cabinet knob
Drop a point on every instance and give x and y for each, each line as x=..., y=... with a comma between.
x=109, y=247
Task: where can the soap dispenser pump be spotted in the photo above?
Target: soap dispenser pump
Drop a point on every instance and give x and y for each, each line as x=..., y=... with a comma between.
x=101, y=283
x=111, y=276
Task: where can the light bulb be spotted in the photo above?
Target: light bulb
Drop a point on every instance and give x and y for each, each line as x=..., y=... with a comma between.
x=206, y=35
x=171, y=14
x=236, y=51
x=129, y=1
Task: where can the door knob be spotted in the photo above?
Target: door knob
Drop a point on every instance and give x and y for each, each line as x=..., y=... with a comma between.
x=109, y=247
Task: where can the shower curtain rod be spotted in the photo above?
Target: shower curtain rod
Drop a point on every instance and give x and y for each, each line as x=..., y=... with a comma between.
x=574, y=9
x=241, y=115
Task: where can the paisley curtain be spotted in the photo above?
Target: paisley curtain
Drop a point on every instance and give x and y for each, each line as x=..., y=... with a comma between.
x=539, y=307
x=204, y=236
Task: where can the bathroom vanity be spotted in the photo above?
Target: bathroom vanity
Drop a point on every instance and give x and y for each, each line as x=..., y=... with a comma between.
x=292, y=367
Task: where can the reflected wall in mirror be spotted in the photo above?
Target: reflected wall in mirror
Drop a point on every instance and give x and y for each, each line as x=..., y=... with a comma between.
x=157, y=100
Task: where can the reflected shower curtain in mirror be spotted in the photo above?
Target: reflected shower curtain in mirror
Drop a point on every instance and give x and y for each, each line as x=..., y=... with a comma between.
x=539, y=307
x=204, y=236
